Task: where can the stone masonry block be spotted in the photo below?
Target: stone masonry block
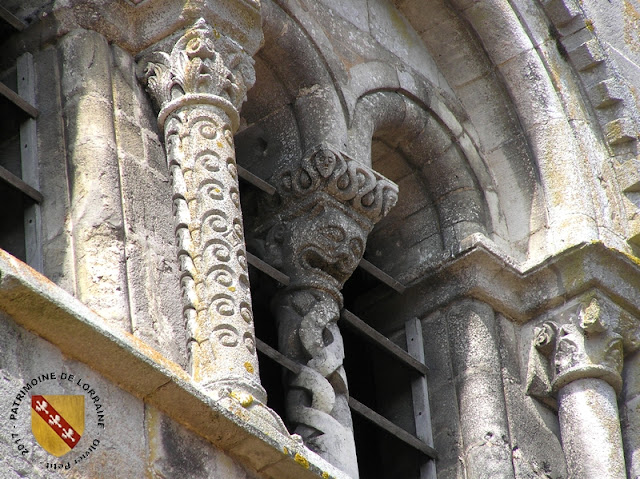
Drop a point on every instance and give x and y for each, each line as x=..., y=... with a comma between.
x=621, y=130
x=605, y=93
x=561, y=12
x=587, y=56
x=628, y=174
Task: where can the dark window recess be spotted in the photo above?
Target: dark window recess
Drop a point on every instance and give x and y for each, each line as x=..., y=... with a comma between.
x=20, y=198
x=392, y=439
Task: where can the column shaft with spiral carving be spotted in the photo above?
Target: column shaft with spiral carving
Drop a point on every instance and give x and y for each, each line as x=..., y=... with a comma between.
x=325, y=208
x=198, y=88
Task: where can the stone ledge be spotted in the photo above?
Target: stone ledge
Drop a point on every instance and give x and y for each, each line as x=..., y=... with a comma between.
x=43, y=308
x=521, y=292
x=524, y=291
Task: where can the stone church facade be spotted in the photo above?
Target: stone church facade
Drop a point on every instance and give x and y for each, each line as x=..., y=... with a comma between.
x=320, y=238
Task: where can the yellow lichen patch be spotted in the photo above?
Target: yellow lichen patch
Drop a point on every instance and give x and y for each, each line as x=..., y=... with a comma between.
x=231, y=288
x=249, y=367
x=631, y=26
x=589, y=24
x=286, y=451
x=300, y=459
x=634, y=259
x=325, y=475
x=245, y=399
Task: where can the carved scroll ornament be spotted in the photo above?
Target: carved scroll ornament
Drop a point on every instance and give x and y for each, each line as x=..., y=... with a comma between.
x=328, y=204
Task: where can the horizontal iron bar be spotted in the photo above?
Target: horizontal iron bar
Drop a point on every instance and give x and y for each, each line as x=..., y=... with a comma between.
x=382, y=276
x=396, y=431
x=17, y=183
x=369, y=414
x=255, y=180
x=18, y=101
x=11, y=19
x=267, y=269
x=380, y=340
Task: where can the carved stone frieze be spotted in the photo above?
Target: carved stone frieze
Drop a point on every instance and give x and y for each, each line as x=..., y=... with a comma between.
x=315, y=231
x=198, y=88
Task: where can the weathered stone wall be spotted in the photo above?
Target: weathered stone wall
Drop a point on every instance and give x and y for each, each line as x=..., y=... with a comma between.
x=108, y=228
x=136, y=441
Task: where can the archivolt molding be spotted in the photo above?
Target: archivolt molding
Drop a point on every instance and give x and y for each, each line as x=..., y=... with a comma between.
x=301, y=66
x=563, y=171
x=455, y=177
x=610, y=97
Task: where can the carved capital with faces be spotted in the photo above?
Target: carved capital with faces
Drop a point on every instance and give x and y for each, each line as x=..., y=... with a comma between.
x=203, y=67
x=585, y=345
x=328, y=204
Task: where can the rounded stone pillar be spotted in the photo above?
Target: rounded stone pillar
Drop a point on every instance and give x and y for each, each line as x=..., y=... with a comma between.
x=586, y=358
x=590, y=429
x=198, y=89
x=475, y=357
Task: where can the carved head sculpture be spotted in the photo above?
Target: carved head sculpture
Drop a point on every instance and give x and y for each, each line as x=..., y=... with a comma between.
x=321, y=248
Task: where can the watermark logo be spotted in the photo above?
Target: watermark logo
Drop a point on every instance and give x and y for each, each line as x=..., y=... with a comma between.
x=65, y=427
x=57, y=422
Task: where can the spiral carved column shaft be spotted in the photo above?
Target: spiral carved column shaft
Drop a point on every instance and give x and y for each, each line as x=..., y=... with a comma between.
x=325, y=208
x=198, y=89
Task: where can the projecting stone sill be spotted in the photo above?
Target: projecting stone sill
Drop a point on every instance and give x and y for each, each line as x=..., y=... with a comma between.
x=40, y=306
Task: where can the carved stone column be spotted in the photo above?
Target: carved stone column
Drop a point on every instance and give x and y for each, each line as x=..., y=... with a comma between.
x=585, y=357
x=198, y=89
x=317, y=231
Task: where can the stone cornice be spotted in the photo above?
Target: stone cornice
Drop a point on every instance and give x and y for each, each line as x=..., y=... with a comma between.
x=481, y=271
x=38, y=305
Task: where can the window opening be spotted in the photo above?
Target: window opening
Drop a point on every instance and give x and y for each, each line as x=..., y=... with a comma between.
x=20, y=217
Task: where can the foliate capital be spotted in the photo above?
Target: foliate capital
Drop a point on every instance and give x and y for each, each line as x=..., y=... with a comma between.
x=581, y=342
x=203, y=67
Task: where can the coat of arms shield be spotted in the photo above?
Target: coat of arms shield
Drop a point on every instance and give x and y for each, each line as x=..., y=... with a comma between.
x=57, y=422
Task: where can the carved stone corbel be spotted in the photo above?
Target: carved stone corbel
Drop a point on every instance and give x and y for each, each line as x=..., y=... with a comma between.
x=577, y=360
x=316, y=233
x=198, y=89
